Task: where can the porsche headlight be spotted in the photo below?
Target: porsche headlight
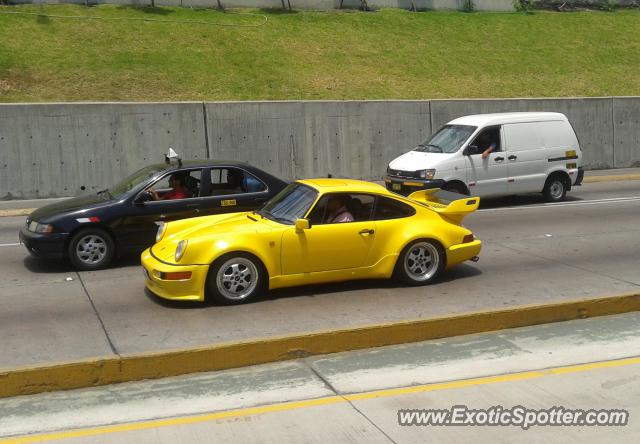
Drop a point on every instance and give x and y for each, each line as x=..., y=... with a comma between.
x=427, y=174
x=180, y=249
x=162, y=228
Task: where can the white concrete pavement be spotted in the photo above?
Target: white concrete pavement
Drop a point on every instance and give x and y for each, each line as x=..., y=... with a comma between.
x=355, y=396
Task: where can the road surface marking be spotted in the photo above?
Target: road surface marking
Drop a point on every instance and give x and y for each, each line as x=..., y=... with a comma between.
x=567, y=204
x=285, y=406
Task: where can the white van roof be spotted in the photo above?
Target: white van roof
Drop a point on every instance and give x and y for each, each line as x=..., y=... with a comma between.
x=481, y=120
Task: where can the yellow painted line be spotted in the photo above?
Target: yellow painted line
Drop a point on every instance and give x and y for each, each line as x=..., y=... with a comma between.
x=17, y=212
x=287, y=406
x=611, y=178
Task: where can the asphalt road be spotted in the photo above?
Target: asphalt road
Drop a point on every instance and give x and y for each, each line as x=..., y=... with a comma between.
x=532, y=253
x=355, y=396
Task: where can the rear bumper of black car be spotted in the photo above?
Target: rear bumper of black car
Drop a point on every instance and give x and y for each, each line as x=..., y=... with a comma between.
x=408, y=186
x=46, y=246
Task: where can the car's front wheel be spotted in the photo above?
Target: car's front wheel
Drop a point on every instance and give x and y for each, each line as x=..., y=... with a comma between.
x=91, y=249
x=420, y=263
x=236, y=278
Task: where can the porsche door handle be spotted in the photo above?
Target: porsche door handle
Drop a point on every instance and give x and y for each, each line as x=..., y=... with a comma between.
x=499, y=159
x=512, y=157
x=366, y=231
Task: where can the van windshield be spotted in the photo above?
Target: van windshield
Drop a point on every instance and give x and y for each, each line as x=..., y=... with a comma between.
x=448, y=139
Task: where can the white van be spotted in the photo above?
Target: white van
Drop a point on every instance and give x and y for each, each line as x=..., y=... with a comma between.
x=494, y=155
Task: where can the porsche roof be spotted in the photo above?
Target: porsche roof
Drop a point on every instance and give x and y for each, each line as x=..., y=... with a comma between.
x=351, y=185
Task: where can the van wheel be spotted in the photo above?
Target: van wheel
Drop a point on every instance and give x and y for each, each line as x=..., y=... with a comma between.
x=555, y=190
x=421, y=262
x=236, y=278
x=456, y=188
x=91, y=249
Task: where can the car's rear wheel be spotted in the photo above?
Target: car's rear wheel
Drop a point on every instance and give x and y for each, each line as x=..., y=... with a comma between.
x=555, y=190
x=420, y=263
x=91, y=249
x=236, y=278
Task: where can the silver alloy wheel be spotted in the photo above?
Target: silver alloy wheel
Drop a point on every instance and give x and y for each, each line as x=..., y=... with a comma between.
x=556, y=189
x=421, y=261
x=91, y=249
x=237, y=278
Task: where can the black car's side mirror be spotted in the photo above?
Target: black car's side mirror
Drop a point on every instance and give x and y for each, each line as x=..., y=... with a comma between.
x=143, y=197
x=471, y=150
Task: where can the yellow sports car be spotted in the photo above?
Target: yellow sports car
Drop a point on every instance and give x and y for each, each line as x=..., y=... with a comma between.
x=313, y=231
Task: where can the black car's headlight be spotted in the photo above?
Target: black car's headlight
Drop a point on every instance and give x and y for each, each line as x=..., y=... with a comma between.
x=39, y=228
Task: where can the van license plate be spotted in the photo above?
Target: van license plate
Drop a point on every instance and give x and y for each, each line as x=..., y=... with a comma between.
x=396, y=187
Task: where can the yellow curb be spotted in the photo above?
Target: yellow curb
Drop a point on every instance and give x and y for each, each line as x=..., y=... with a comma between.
x=612, y=178
x=133, y=367
x=17, y=212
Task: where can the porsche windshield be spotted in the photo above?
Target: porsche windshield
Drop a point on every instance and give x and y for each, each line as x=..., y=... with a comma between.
x=134, y=180
x=448, y=139
x=290, y=204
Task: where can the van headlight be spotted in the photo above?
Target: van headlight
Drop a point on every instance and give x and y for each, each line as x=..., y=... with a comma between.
x=180, y=249
x=427, y=174
x=162, y=228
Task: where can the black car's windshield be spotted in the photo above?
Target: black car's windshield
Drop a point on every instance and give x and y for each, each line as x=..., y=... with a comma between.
x=134, y=180
x=290, y=204
x=448, y=139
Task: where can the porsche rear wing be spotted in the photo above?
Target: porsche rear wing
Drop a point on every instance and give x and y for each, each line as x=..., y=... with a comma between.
x=451, y=206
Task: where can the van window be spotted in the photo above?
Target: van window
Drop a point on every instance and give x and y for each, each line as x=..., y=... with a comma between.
x=489, y=137
x=448, y=139
x=538, y=135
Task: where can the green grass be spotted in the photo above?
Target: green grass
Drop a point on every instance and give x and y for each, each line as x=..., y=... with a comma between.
x=391, y=54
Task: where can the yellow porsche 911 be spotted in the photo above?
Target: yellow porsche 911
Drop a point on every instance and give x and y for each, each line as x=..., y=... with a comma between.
x=314, y=231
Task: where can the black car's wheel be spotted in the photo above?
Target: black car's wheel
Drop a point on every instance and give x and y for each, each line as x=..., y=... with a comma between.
x=91, y=249
x=420, y=263
x=236, y=278
x=555, y=189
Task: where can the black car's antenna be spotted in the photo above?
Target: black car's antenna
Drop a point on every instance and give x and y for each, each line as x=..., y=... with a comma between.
x=171, y=154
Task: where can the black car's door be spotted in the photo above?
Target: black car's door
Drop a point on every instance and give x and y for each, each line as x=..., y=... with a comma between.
x=232, y=189
x=138, y=226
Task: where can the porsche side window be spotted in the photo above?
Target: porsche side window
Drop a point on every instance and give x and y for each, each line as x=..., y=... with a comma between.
x=387, y=208
x=342, y=207
x=234, y=181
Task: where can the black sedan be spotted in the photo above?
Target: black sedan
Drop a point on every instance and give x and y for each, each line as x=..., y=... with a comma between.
x=92, y=230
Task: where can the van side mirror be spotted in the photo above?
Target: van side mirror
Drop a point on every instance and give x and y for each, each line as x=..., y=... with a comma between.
x=143, y=197
x=471, y=150
x=302, y=224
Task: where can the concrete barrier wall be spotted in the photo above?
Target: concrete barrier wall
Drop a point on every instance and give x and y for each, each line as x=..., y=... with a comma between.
x=57, y=149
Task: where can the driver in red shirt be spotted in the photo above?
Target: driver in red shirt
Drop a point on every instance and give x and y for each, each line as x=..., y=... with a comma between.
x=178, y=189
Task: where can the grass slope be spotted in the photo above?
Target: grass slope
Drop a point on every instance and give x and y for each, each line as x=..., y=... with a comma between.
x=391, y=54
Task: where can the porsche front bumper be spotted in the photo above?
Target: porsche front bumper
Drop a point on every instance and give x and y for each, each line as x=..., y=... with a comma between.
x=192, y=289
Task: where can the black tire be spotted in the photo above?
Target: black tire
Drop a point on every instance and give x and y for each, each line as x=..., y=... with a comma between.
x=403, y=272
x=555, y=189
x=456, y=188
x=221, y=291
x=91, y=248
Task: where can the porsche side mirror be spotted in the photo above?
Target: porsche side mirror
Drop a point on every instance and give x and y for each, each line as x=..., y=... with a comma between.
x=143, y=197
x=302, y=224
